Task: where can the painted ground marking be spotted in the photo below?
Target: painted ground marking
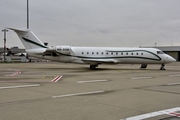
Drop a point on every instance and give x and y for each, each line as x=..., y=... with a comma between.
x=174, y=75
x=173, y=84
x=48, y=76
x=17, y=72
x=20, y=86
x=135, y=78
x=175, y=114
x=154, y=114
x=91, y=81
x=76, y=94
x=57, y=78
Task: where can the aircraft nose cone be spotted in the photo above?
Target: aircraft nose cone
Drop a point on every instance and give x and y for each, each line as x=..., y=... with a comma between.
x=171, y=59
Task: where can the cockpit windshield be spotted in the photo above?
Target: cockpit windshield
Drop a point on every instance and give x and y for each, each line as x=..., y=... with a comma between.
x=160, y=52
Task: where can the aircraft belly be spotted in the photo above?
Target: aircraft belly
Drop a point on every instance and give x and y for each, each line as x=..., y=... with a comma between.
x=51, y=58
x=78, y=61
x=65, y=59
x=138, y=61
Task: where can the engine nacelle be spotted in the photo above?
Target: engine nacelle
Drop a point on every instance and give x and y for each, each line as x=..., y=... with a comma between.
x=63, y=49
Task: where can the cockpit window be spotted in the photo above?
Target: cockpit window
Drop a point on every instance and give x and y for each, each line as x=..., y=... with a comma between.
x=160, y=52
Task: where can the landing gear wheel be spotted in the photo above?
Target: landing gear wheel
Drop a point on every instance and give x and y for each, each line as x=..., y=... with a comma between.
x=143, y=66
x=162, y=67
x=93, y=67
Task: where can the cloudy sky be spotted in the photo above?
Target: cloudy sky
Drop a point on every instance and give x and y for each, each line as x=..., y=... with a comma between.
x=130, y=23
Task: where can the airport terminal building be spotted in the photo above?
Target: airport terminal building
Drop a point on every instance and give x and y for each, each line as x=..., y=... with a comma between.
x=173, y=51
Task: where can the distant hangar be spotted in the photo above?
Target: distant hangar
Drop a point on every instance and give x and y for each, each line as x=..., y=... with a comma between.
x=173, y=51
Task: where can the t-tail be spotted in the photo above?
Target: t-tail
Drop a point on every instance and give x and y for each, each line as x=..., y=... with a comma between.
x=29, y=40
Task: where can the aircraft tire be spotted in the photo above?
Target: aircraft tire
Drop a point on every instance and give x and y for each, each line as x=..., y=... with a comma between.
x=93, y=67
x=143, y=65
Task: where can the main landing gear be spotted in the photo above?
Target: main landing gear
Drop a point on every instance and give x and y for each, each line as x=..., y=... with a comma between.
x=162, y=67
x=143, y=66
x=93, y=67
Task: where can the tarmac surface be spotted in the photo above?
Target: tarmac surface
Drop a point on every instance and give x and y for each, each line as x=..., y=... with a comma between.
x=57, y=91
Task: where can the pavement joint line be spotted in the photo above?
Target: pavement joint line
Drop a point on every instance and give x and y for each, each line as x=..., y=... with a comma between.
x=135, y=78
x=20, y=86
x=76, y=94
x=91, y=81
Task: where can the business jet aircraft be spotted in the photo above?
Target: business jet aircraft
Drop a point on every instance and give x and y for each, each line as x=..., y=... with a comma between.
x=93, y=56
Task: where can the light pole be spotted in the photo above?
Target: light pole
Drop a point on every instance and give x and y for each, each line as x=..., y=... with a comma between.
x=4, y=42
x=27, y=14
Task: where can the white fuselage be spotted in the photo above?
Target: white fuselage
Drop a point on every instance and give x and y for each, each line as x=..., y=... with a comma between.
x=92, y=55
x=118, y=55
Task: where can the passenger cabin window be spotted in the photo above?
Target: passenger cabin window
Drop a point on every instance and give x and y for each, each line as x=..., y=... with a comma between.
x=82, y=52
x=141, y=53
x=126, y=53
x=160, y=52
x=92, y=52
x=87, y=52
x=131, y=53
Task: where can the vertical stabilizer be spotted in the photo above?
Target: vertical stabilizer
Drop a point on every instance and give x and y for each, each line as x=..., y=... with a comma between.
x=29, y=39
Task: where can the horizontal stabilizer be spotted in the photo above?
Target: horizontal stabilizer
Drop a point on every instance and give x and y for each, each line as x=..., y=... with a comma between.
x=18, y=30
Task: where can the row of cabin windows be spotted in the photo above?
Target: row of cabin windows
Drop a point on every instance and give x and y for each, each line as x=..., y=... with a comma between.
x=113, y=53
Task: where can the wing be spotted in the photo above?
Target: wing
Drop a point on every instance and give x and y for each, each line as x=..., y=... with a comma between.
x=99, y=61
x=50, y=52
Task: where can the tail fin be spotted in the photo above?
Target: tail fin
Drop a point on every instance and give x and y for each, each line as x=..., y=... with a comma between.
x=29, y=39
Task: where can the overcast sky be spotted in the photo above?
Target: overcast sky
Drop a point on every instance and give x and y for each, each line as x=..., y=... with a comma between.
x=130, y=23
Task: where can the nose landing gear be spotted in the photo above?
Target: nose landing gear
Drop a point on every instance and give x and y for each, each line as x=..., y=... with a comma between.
x=162, y=67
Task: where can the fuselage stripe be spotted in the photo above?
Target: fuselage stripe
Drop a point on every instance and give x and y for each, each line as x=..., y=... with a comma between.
x=32, y=42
